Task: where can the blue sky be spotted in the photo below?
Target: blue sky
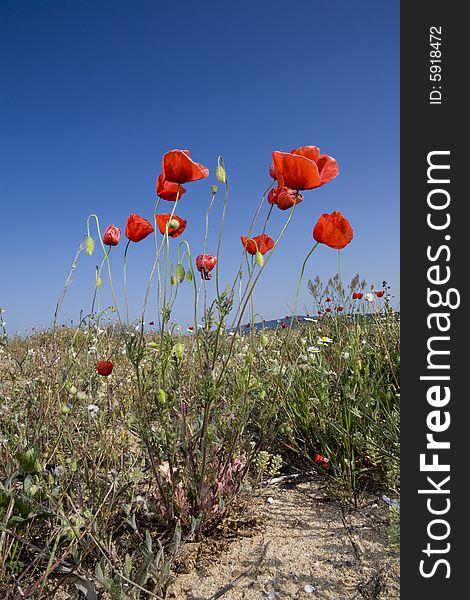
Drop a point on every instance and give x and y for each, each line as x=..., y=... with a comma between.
x=93, y=93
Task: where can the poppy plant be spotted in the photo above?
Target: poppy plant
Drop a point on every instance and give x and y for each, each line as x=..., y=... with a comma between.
x=303, y=168
x=104, y=367
x=321, y=461
x=357, y=296
x=284, y=197
x=333, y=230
x=178, y=167
x=167, y=190
x=379, y=294
x=112, y=235
x=137, y=228
x=260, y=243
x=176, y=225
x=204, y=264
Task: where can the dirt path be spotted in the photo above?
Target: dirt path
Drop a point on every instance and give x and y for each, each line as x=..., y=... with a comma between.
x=295, y=542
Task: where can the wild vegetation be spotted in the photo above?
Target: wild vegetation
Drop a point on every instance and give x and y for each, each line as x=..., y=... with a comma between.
x=121, y=440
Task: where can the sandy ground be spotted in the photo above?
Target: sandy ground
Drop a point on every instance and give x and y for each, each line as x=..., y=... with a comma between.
x=302, y=537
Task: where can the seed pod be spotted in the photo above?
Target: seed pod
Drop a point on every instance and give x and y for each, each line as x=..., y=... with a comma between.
x=180, y=273
x=189, y=276
x=98, y=282
x=173, y=280
x=259, y=259
x=89, y=245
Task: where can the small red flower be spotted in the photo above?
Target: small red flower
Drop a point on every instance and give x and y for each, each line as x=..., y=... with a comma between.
x=321, y=461
x=328, y=300
x=363, y=461
x=333, y=230
x=327, y=309
x=204, y=264
x=137, y=228
x=176, y=225
x=104, y=367
x=283, y=325
x=112, y=235
x=357, y=296
x=167, y=190
x=340, y=308
x=178, y=167
x=284, y=197
x=152, y=323
x=379, y=294
x=286, y=318
x=190, y=328
x=261, y=243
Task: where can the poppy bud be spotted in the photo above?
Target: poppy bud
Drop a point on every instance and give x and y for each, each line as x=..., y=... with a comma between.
x=214, y=190
x=152, y=345
x=180, y=273
x=89, y=245
x=161, y=395
x=189, y=276
x=173, y=224
x=72, y=390
x=81, y=396
x=220, y=173
x=264, y=340
x=178, y=350
x=259, y=259
x=173, y=280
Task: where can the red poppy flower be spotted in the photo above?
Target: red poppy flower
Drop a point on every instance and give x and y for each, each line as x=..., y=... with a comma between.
x=204, y=264
x=112, y=235
x=152, y=323
x=327, y=309
x=303, y=168
x=178, y=167
x=168, y=190
x=176, y=225
x=328, y=300
x=340, y=308
x=379, y=294
x=321, y=461
x=357, y=296
x=190, y=328
x=284, y=197
x=286, y=318
x=363, y=461
x=104, y=367
x=260, y=243
x=137, y=228
x=283, y=325
x=333, y=230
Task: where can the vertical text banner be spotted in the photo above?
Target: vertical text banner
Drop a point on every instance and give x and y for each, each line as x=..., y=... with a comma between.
x=435, y=338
